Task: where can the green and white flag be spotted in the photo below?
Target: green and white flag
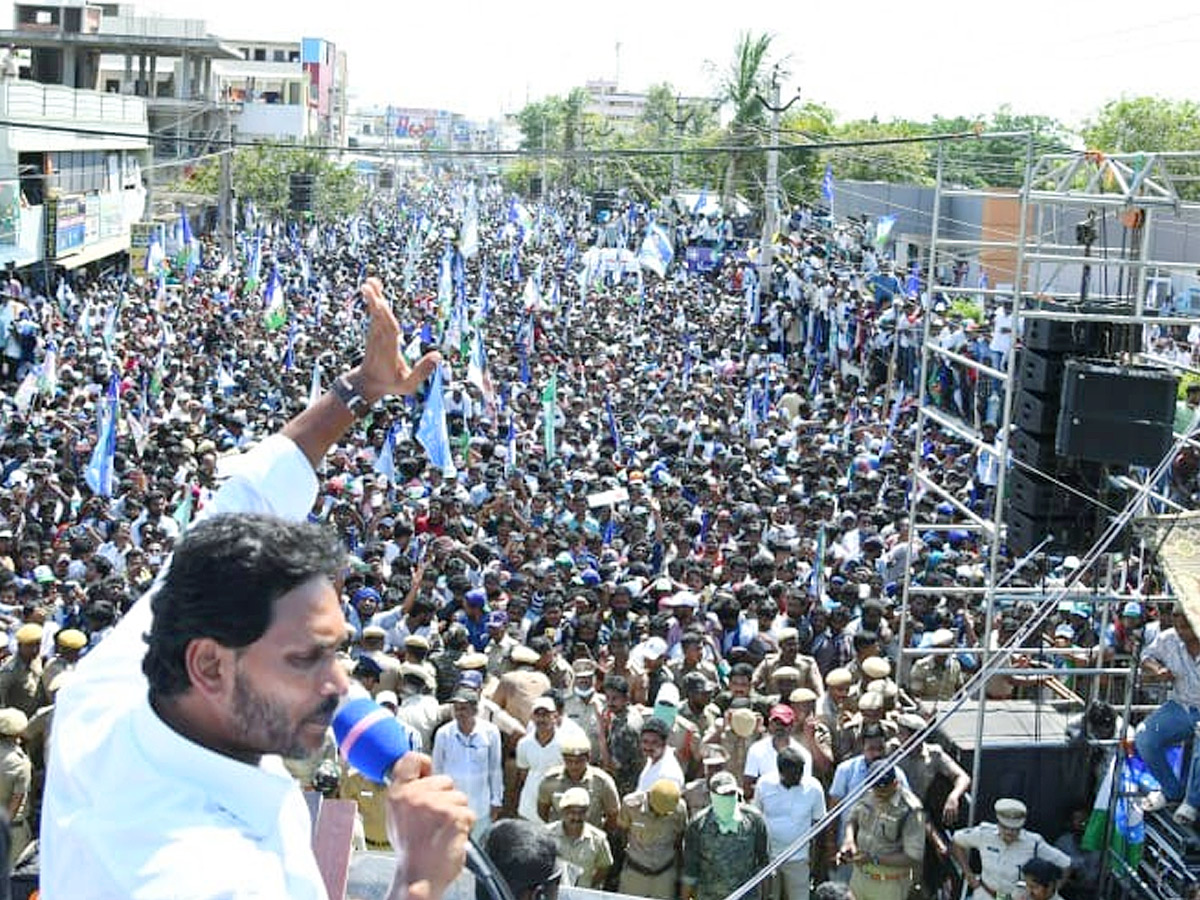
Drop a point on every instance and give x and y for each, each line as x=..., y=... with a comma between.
x=274, y=306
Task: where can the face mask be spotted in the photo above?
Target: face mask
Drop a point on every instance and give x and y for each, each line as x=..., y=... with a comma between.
x=666, y=712
x=584, y=693
x=724, y=807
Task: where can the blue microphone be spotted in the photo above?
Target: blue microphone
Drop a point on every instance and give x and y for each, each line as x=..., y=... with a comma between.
x=370, y=739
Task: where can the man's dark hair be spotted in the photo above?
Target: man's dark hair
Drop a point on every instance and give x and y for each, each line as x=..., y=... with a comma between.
x=874, y=731
x=864, y=639
x=741, y=670
x=832, y=890
x=224, y=579
x=618, y=683
x=790, y=763
x=524, y=854
x=656, y=726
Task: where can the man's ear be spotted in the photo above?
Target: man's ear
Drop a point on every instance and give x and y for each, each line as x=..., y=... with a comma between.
x=210, y=666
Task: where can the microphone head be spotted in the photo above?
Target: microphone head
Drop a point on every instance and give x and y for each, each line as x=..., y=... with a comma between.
x=369, y=738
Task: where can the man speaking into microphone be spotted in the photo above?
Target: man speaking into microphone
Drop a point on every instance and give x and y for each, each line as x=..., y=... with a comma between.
x=164, y=778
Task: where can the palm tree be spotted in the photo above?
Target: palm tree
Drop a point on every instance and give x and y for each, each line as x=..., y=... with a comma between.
x=746, y=79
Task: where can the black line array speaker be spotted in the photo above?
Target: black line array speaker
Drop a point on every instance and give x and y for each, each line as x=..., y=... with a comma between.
x=1040, y=373
x=1115, y=414
x=1036, y=450
x=1059, y=336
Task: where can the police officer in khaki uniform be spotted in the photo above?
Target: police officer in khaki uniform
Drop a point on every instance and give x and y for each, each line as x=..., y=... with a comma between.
x=1004, y=847
x=939, y=675
x=68, y=644
x=575, y=772
x=584, y=705
x=583, y=847
x=371, y=800
x=734, y=733
x=517, y=689
x=654, y=822
x=21, y=674
x=884, y=839
x=373, y=638
x=16, y=776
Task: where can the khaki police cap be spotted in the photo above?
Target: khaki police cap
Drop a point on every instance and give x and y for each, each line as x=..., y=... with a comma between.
x=838, y=678
x=876, y=667
x=1010, y=813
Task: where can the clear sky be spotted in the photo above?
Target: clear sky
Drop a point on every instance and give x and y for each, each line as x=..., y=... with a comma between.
x=862, y=57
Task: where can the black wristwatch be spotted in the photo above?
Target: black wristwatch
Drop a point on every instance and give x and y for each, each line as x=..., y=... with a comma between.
x=349, y=395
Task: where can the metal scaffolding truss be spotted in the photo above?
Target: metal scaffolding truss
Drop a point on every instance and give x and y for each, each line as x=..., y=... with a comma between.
x=1129, y=190
x=1142, y=179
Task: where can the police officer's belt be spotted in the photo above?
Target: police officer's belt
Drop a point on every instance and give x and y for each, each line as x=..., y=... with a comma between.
x=885, y=873
x=646, y=870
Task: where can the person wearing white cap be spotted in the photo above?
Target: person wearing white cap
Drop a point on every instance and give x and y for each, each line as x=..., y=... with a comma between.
x=1004, y=847
x=582, y=847
x=537, y=753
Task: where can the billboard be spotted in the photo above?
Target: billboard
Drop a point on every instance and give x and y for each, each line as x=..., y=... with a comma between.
x=70, y=230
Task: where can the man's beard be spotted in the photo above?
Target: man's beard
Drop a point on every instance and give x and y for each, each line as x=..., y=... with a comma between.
x=265, y=727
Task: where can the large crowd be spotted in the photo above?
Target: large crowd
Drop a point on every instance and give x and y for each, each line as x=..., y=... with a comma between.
x=650, y=593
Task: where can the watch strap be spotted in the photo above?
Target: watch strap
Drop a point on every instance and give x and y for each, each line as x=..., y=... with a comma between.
x=349, y=395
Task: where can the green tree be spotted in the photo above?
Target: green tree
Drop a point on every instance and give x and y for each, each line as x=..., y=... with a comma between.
x=898, y=162
x=747, y=77
x=995, y=161
x=260, y=175
x=806, y=126
x=1141, y=124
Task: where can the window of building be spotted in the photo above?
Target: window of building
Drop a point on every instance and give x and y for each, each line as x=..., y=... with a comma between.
x=112, y=85
x=43, y=17
x=279, y=56
x=294, y=56
x=260, y=54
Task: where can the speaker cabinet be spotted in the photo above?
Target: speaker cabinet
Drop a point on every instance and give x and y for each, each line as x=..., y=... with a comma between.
x=1120, y=415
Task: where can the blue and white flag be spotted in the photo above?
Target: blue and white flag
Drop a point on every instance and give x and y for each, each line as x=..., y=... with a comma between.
x=385, y=463
x=314, y=387
x=432, y=432
x=656, y=252
x=912, y=287
x=883, y=230
x=827, y=183
x=99, y=471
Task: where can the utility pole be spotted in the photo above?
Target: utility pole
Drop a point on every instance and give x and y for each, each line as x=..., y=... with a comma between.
x=771, y=212
x=225, y=204
x=680, y=122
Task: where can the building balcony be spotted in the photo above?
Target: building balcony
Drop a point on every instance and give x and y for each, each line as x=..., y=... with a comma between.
x=120, y=121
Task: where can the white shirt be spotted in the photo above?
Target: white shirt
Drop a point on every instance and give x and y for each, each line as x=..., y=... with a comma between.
x=474, y=762
x=666, y=766
x=1001, y=862
x=537, y=759
x=762, y=758
x=422, y=713
x=135, y=810
x=789, y=812
x=1170, y=650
